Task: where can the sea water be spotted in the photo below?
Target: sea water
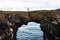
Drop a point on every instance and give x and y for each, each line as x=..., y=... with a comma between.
x=32, y=31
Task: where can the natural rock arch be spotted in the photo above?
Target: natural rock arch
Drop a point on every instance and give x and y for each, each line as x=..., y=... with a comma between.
x=31, y=31
x=49, y=20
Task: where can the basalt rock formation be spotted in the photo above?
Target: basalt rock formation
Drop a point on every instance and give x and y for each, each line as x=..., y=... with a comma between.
x=10, y=21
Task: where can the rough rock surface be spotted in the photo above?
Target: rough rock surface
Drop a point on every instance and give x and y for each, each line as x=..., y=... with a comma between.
x=49, y=20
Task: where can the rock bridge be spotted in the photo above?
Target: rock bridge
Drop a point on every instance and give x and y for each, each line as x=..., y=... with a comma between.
x=10, y=21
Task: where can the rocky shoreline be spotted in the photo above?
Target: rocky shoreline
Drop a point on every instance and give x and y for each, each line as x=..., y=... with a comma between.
x=11, y=21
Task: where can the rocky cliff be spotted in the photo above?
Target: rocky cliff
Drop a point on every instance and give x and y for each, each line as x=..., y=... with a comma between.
x=11, y=20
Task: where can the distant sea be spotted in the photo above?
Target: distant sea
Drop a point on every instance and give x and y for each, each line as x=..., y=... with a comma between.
x=32, y=31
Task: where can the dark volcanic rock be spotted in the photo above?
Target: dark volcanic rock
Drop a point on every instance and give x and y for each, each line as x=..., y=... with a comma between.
x=49, y=20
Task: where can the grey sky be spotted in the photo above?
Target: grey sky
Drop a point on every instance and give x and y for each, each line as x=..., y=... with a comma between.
x=22, y=5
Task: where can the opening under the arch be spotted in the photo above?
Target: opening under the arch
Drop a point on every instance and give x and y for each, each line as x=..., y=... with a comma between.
x=31, y=31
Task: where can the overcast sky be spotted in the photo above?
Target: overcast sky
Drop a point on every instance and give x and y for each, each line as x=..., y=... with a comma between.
x=22, y=5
